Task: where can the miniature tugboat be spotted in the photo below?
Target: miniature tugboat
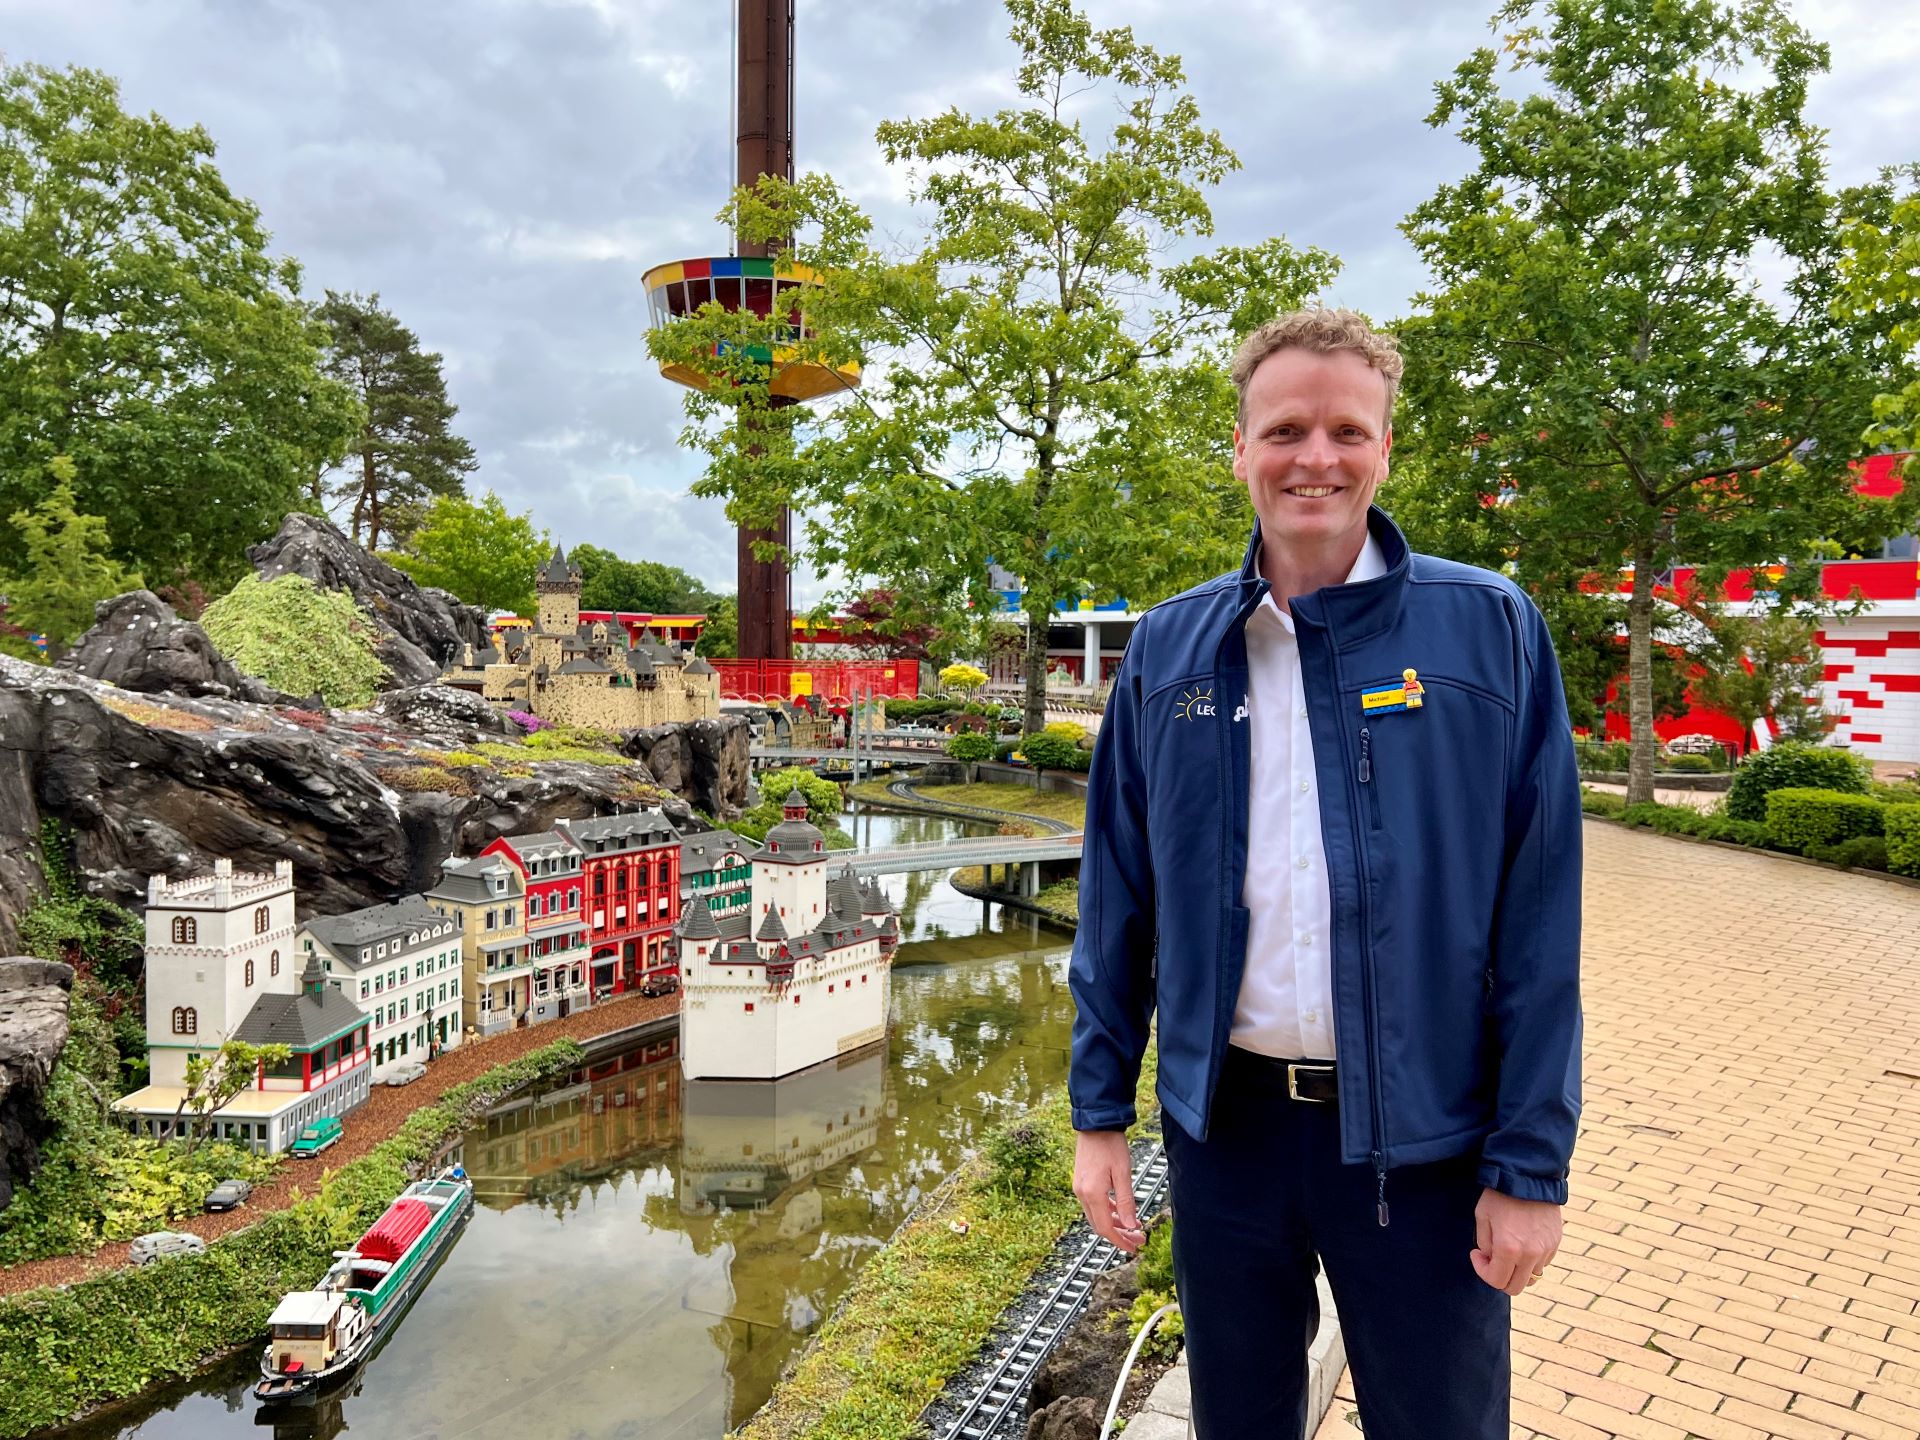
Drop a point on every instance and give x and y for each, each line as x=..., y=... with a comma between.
x=321, y=1336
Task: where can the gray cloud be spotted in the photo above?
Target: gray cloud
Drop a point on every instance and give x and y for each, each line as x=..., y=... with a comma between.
x=502, y=171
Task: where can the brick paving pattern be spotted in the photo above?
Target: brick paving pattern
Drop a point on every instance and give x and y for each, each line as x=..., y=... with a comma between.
x=1742, y=1257
x=386, y=1109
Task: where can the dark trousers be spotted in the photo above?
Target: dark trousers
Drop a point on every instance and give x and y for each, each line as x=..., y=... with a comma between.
x=1255, y=1203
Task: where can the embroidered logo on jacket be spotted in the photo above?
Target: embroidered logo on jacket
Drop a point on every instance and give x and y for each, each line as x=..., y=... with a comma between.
x=1195, y=703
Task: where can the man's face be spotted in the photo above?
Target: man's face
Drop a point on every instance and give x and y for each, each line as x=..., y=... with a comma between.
x=1312, y=445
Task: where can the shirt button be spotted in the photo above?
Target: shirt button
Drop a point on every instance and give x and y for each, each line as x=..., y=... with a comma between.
x=1306, y=939
x=1303, y=787
x=1312, y=1017
x=1303, y=712
x=1301, y=862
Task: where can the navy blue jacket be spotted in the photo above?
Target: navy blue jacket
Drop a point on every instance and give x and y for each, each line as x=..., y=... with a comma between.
x=1452, y=837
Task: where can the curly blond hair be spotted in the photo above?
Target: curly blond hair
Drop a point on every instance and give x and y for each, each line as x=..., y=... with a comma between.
x=1321, y=331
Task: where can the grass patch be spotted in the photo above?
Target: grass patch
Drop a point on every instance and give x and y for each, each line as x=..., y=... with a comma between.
x=1062, y=897
x=66, y=1351
x=427, y=778
x=921, y=1309
x=507, y=753
x=156, y=717
x=1014, y=800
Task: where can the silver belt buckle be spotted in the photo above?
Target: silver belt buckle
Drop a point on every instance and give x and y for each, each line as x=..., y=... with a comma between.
x=1293, y=1081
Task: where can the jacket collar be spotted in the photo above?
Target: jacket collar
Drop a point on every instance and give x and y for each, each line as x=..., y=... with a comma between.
x=1355, y=611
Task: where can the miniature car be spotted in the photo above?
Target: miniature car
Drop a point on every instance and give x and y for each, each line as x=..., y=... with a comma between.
x=316, y=1137
x=660, y=985
x=161, y=1244
x=228, y=1194
x=405, y=1073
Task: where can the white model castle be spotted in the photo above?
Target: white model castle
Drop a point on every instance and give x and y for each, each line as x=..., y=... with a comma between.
x=794, y=978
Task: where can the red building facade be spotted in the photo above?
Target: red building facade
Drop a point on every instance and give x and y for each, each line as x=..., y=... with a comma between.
x=630, y=867
x=556, y=930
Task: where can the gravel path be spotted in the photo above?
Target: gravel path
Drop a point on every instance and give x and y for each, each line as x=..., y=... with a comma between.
x=386, y=1109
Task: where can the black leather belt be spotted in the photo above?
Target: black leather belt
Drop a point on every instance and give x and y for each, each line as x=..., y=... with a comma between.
x=1313, y=1082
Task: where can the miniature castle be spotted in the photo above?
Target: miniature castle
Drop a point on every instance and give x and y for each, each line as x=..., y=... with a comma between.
x=798, y=976
x=222, y=965
x=575, y=672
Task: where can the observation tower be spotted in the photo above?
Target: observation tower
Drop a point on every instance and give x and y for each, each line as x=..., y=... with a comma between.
x=754, y=278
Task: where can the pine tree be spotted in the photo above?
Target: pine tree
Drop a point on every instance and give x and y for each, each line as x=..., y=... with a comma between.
x=67, y=567
x=405, y=454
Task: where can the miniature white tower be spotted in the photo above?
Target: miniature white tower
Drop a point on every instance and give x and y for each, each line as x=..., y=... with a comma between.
x=215, y=944
x=790, y=871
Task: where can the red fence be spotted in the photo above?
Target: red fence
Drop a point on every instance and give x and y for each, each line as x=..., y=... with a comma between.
x=835, y=679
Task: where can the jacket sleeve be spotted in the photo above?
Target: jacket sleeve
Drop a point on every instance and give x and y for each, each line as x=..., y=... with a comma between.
x=1111, y=976
x=1535, y=991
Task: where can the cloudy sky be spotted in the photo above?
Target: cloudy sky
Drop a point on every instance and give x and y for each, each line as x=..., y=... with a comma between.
x=502, y=171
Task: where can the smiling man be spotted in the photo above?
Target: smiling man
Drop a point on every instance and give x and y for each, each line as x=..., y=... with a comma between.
x=1350, y=886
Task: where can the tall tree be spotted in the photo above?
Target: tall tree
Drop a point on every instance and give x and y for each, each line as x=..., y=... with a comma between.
x=66, y=567
x=1882, y=258
x=146, y=332
x=609, y=583
x=720, y=636
x=479, y=552
x=1766, y=665
x=406, y=452
x=1599, y=349
x=1022, y=358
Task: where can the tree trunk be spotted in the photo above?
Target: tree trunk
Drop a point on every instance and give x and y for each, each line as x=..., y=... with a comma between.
x=370, y=492
x=1035, y=718
x=1640, y=675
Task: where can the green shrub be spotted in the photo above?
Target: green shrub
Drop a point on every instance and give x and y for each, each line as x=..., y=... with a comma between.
x=970, y=748
x=1024, y=1155
x=1862, y=852
x=1735, y=832
x=298, y=638
x=1601, y=802
x=1903, y=839
x=1896, y=792
x=1799, y=819
x=1054, y=752
x=1793, y=764
x=1689, y=764
x=1609, y=756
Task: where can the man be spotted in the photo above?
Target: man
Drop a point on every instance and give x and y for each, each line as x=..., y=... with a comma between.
x=1333, y=837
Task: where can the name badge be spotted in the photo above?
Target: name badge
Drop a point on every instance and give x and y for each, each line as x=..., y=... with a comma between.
x=1410, y=694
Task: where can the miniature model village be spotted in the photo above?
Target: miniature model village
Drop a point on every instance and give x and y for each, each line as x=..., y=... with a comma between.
x=782, y=958
x=782, y=963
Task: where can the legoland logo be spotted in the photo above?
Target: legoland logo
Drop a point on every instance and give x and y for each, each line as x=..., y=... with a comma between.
x=1195, y=703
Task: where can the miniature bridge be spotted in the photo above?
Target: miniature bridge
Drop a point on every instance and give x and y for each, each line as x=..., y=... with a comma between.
x=1021, y=852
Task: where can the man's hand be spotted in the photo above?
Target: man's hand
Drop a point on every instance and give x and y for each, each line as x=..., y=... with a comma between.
x=1103, y=1184
x=1515, y=1240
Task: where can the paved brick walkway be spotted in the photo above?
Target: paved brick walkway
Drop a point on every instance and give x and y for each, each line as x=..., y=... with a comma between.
x=1743, y=1243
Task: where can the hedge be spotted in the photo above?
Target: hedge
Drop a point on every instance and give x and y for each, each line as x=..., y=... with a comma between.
x=1903, y=839
x=1793, y=764
x=66, y=1351
x=1800, y=819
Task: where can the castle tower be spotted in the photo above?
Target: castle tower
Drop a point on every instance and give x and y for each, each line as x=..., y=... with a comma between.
x=559, y=586
x=215, y=944
x=790, y=870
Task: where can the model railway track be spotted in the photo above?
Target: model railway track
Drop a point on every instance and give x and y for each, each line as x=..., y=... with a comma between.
x=987, y=1414
x=903, y=789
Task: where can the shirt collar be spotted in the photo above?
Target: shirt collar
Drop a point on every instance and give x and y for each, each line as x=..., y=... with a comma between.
x=1369, y=564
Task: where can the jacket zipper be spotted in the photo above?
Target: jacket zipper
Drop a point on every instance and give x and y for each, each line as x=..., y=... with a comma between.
x=1376, y=1155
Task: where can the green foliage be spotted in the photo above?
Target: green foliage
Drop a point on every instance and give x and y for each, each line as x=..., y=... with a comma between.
x=1688, y=764
x=962, y=677
x=298, y=638
x=1601, y=802
x=1054, y=349
x=824, y=798
x=1736, y=832
x=1027, y=1158
x=63, y=1350
x=970, y=747
x=94, y=935
x=426, y=780
x=1862, y=852
x=148, y=334
x=405, y=453
x=1881, y=256
x=65, y=566
x=1766, y=665
x=1800, y=819
x=902, y=710
x=1903, y=839
x=609, y=583
x=720, y=637
x=1598, y=347
x=479, y=552
x=1793, y=765
x=1054, y=752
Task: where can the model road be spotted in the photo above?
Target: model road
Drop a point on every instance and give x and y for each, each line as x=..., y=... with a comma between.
x=955, y=854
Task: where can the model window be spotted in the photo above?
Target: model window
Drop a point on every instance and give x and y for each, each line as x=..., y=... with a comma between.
x=599, y=888
x=186, y=930
x=509, y=919
x=363, y=989
x=186, y=1020
x=273, y=963
x=619, y=880
x=665, y=871
x=260, y=920
x=248, y=981
x=493, y=919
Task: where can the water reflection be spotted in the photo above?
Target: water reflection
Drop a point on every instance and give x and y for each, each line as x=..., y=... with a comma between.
x=937, y=922
x=649, y=1252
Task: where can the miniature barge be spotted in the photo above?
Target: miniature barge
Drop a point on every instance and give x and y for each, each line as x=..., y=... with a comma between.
x=321, y=1336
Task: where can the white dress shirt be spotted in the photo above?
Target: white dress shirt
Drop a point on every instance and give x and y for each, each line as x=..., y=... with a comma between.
x=1285, y=1006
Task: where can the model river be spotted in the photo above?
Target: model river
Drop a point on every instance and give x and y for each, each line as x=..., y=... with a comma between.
x=647, y=1252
